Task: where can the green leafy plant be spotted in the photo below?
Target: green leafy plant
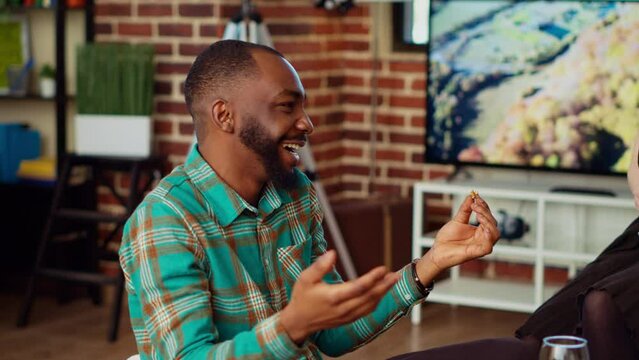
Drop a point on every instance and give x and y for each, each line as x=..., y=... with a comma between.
x=47, y=72
x=115, y=79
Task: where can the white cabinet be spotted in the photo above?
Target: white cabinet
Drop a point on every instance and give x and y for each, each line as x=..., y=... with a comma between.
x=567, y=230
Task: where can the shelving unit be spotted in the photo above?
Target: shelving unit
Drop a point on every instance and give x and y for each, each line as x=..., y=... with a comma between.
x=566, y=230
x=62, y=98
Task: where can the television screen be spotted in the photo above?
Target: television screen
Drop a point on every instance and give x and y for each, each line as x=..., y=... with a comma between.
x=533, y=84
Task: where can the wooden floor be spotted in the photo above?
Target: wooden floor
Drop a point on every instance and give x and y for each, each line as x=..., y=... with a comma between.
x=78, y=331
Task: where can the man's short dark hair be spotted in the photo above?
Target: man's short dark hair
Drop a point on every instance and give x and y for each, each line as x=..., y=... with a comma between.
x=218, y=69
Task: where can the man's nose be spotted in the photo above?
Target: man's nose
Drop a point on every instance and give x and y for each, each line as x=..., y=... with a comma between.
x=305, y=124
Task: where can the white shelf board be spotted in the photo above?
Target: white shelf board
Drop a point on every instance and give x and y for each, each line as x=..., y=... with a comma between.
x=499, y=251
x=492, y=294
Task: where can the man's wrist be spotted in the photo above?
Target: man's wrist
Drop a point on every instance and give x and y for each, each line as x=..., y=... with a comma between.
x=295, y=329
x=426, y=269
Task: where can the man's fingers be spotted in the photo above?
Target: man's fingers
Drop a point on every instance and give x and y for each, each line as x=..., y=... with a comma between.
x=480, y=207
x=354, y=288
x=463, y=214
x=321, y=267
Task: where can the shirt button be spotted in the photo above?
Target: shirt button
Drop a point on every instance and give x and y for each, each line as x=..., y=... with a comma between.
x=266, y=262
x=407, y=296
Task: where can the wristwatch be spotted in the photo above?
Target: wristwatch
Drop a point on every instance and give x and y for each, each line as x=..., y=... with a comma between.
x=424, y=290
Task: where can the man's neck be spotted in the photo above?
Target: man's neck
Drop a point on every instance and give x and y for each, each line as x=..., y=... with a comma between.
x=241, y=175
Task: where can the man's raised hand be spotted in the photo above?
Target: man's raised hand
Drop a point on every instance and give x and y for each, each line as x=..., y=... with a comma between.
x=316, y=305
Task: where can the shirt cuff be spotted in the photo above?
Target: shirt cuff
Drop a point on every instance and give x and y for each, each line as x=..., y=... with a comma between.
x=275, y=340
x=407, y=290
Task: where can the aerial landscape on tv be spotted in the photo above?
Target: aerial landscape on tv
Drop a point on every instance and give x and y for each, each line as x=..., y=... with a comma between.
x=534, y=84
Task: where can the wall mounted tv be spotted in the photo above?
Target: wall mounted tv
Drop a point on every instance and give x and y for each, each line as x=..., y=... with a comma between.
x=533, y=84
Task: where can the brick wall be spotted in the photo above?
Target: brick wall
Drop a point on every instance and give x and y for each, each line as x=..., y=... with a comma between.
x=333, y=56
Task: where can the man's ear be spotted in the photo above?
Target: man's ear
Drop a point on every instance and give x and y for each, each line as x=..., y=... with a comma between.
x=221, y=115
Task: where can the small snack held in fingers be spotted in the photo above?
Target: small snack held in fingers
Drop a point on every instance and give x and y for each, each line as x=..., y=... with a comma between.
x=473, y=194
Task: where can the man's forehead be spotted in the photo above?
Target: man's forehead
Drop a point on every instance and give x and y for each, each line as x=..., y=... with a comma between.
x=279, y=72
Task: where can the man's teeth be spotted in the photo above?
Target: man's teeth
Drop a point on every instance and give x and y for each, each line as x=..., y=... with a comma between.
x=291, y=147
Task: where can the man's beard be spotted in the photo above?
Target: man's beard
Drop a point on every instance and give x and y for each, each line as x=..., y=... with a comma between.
x=254, y=136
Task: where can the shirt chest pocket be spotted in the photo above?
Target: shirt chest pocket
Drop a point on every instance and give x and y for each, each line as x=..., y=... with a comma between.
x=294, y=259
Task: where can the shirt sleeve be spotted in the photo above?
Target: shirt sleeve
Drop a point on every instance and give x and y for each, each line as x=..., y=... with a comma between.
x=170, y=295
x=393, y=306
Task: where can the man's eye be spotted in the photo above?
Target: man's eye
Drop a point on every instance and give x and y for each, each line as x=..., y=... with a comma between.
x=287, y=106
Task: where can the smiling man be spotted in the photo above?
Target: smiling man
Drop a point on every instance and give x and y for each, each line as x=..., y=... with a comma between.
x=226, y=258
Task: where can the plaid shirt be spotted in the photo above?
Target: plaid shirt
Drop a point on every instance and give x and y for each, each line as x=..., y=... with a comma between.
x=207, y=273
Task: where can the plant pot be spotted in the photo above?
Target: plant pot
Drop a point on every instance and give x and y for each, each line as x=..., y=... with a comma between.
x=47, y=88
x=113, y=135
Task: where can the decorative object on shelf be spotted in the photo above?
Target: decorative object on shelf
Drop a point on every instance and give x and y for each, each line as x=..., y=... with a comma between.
x=46, y=81
x=115, y=99
x=17, y=143
x=14, y=52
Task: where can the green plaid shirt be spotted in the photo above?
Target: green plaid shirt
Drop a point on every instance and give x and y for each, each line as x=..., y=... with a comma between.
x=207, y=273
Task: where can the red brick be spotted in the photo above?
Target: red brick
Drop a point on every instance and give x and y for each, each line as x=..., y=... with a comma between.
x=406, y=66
x=211, y=30
x=474, y=267
x=419, y=85
x=311, y=83
x=290, y=29
x=298, y=47
x=155, y=10
x=162, y=127
x=336, y=81
x=418, y=121
x=171, y=107
x=353, y=152
x=163, y=49
x=187, y=128
x=163, y=88
x=390, y=120
x=111, y=9
x=407, y=101
x=325, y=136
x=360, y=64
x=103, y=29
x=108, y=199
x=342, y=45
x=405, y=173
x=192, y=49
x=390, y=83
x=182, y=30
x=227, y=11
x=334, y=118
x=387, y=189
x=322, y=100
x=390, y=155
x=351, y=186
x=276, y=11
x=354, y=28
x=361, y=99
x=323, y=29
x=359, y=135
x=134, y=29
x=354, y=81
x=314, y=65
x=418, y=158
x=437, y=174
x=173, y=147
x=357, y=117
x=173, y=68
x=331, y=189
x=196, y=10
x=406, y=138
x=330, y=154
x=553, y=275
x=355, y=169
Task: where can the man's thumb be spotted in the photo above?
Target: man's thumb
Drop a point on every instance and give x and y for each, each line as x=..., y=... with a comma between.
x=321, y=267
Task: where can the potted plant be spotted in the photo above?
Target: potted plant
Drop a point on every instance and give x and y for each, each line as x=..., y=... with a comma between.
x=47, y=81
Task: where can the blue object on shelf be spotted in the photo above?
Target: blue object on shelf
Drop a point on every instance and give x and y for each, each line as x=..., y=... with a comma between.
x=17, y=143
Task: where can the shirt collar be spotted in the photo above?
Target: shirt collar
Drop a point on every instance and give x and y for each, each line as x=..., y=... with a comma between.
x=226, y=203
